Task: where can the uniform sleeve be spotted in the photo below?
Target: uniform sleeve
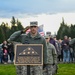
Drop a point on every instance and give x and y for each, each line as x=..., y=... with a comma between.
x=44, y=51
x=72, y=42
x=54, y=55
x=15, y=36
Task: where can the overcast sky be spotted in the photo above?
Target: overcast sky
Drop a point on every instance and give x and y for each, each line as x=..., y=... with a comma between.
x=47, y=12
x=11, y=7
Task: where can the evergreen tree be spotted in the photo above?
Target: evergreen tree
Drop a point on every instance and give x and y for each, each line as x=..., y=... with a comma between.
x=2, y=37
x=5, y=30
x=63, y=30
x=13, y=25
x=72, y=31
x=13, y=21
x=19, y=25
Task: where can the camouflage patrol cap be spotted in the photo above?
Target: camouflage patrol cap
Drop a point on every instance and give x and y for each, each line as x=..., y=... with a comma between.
x=46, y=36
x=34, y=23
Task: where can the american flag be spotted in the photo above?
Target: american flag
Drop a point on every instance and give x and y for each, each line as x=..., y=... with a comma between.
x=27, y=31
x=40, y=30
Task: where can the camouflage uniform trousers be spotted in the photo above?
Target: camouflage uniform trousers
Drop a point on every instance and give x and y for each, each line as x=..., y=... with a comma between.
x=54, y=69
x=21, y=70
x=47, y=70
x=34, y=70
x=74, y=57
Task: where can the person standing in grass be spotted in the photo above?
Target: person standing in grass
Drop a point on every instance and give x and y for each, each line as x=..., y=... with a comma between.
x=72, y=44
x=51, y=57
x=1, y=54
x=33, y=37
x=5, y=52
x=66, y=50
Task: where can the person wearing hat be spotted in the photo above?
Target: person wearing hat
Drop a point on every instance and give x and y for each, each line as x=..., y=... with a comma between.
x=33, y=37
x=51, y=57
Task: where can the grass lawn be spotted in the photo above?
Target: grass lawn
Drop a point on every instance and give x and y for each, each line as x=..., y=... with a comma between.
x=66, y=69
x=63, y=69
x=7, y=69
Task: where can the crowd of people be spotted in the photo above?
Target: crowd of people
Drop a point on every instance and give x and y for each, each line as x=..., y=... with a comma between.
x=54, y=50
x=6, y=53
x=65, y=52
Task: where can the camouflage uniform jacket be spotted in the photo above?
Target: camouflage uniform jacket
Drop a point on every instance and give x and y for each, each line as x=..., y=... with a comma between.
x=72, y=43
x=27, y=39
x=51, y=54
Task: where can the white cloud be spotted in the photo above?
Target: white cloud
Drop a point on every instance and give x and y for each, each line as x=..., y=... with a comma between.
x=51, y=22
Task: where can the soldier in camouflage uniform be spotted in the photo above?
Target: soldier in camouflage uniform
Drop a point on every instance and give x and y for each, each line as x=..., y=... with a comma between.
x=33, y=37
x=51, y=58
x=72, y=44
